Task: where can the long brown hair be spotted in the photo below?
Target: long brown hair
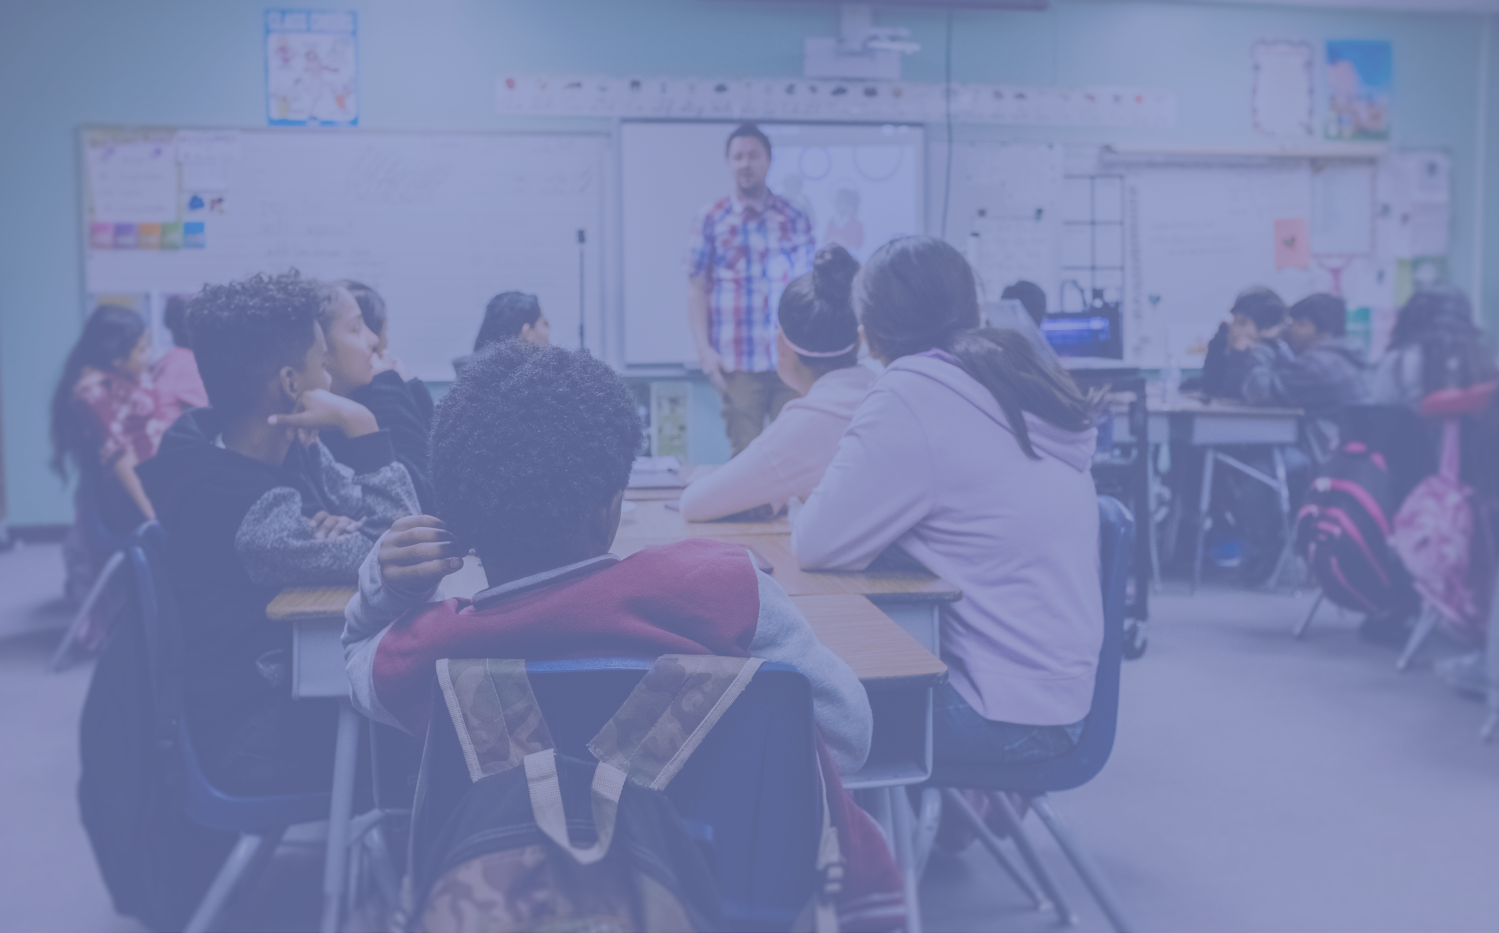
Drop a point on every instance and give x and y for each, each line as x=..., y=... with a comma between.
x=918, y=293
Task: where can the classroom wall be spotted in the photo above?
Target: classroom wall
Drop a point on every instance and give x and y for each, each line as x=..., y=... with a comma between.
x=432, y=65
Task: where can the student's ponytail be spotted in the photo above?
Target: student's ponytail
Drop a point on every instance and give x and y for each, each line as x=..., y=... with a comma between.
x=918, y=293
x=816, y=312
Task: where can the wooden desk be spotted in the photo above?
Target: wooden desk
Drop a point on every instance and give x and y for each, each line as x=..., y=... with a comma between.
x=652, y=520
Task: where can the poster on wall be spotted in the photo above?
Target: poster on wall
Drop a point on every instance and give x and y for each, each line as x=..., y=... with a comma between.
x=1282, y=92
x=311, y=68
x=1359, y=83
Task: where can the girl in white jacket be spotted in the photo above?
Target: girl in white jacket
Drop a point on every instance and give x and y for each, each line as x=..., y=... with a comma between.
x=817, y=344
x=973, y=455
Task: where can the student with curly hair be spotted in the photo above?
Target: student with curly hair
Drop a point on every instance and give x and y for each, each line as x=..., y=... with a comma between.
x=253, y=503
x=531, y=453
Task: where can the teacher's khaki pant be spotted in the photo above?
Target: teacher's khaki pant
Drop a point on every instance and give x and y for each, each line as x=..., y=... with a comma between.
x=748, y=400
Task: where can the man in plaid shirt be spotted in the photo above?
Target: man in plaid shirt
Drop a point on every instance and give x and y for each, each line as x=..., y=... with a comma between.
x=744, y=250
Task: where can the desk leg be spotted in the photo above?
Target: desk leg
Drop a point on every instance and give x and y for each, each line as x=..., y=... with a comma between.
x=1204, y=512
x=1283, y=497
x=903, y=832
x=345, y=758
x=1152, y=484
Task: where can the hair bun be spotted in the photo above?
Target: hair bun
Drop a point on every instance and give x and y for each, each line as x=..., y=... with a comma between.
x=833, y=271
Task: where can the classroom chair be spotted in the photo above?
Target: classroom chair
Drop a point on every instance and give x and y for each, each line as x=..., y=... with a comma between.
x=749, y=793
x=1035, y=780
x=260, y=820
x=82, y=637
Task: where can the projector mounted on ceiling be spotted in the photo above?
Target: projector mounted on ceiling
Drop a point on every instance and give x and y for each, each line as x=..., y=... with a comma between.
x=863, y=50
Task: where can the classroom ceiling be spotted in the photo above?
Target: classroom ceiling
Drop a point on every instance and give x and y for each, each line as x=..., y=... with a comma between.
x=1413, y=6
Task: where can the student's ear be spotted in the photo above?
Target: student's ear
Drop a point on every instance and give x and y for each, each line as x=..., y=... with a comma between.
x=288, y=387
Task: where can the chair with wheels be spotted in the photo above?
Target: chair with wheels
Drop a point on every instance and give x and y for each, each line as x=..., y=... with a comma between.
x=749, y=793
x=1034, y=781
x=260, y=820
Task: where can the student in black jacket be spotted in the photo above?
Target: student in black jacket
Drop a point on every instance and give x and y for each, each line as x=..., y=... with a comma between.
x=361, y=372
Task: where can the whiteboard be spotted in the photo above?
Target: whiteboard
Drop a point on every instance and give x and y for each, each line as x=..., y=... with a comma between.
x=670, y=171
x=438, y=223
x=1196, y=236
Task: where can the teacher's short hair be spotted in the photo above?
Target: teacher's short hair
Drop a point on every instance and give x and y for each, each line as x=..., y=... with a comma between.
x=749, y=131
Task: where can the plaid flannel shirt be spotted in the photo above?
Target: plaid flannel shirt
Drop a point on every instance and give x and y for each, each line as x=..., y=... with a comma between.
x=748, y=255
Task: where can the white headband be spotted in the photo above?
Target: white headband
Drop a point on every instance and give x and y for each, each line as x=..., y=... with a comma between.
x=817, y=354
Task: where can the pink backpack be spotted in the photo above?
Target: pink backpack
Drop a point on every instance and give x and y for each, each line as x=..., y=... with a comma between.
x=1439, y=534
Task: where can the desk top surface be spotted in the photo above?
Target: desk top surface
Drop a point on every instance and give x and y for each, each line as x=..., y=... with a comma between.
x=1198, y=405
x=877, y=649
x=652, y=519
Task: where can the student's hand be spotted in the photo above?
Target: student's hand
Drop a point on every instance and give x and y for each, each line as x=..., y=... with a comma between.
x=1242, y=334
x=326, y=526
x=712, y=365
x=385, y=362
x=417, y=553
x=320, y=409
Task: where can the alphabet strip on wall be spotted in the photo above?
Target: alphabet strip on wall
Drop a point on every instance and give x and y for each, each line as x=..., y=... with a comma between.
x=807, y=99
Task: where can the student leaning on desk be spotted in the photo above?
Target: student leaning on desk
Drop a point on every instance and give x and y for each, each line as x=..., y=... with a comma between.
x=531, y=453
x=973, y=455
x=252, y=502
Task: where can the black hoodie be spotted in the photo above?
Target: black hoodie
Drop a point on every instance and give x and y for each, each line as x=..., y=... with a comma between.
x=239, y=532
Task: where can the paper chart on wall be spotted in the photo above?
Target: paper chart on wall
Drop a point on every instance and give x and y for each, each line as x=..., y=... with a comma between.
x=1343, y=210
x=132, y=181
x=311, y=68
x=809, y=99
x=1282, y=97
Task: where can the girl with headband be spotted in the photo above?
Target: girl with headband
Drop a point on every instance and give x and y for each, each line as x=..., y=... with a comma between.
x=817, y=349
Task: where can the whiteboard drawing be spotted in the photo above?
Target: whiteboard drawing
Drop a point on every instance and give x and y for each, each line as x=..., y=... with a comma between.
x=311, y=68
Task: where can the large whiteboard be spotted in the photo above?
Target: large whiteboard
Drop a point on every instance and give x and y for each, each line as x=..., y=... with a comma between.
x=670, y=171
x=436, y=222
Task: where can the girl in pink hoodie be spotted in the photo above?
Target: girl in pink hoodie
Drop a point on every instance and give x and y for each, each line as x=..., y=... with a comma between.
x=817, y=344
x=973, y=455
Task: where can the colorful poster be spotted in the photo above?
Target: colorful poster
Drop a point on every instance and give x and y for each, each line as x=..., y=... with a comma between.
x=1359, y=82
x=311, y=68
x=1293, y=243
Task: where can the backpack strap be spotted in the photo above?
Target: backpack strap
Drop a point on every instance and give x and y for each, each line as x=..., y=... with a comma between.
x=668, y=714
x=494, y=712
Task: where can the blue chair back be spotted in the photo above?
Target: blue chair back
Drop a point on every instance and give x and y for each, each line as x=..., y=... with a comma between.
x=204, y=803
x=749, y=793
x=1116, y=541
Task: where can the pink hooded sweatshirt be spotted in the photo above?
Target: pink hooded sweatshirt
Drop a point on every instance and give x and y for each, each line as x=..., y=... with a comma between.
x=789, y=457
x=929, y=463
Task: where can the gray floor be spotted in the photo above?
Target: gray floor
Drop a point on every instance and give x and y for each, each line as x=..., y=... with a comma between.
x=1257, y=784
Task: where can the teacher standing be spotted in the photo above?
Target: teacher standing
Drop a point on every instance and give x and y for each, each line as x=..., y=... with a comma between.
x=745, y=249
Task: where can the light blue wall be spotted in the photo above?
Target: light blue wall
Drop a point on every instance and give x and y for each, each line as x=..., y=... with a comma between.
x=432, y=65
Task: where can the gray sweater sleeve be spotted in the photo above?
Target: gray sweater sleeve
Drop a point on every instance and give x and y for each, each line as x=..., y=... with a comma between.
x=840, y=707
x=276, y=544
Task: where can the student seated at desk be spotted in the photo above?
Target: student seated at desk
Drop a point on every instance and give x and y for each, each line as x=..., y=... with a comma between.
x=973, y=455
x=1434, y=345
x=104, y=424
x=817, y=346
x=372, y=309
x=510, y=315
x=358, y=372
x=252, y=503
x=531, y=453
x=1312, y=367
x=1258, y=314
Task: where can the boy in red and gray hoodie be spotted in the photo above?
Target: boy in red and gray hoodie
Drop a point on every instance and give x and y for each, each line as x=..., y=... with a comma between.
x=531, y=453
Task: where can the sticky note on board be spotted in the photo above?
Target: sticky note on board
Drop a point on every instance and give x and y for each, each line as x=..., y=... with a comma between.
x=101, y=236
x=1293, y=243
x=148, y=236
x=171, y=236
x=193, y=236
x=124, y=236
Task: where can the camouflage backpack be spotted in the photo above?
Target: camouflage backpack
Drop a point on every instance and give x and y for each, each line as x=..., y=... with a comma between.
x=538, y=840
